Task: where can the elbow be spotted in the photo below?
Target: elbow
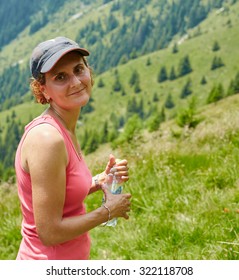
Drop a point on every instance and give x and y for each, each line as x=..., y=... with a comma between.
x=47, y=237
x=46, y=240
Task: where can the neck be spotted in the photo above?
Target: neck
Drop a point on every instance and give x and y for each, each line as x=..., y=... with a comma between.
x=68, y=119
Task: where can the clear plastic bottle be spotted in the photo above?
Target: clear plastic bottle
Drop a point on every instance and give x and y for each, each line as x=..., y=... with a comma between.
x=115, y=187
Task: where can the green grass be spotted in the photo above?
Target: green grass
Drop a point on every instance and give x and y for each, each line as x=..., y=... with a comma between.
x=184, y=203
x=184, y=190
x=10, y=221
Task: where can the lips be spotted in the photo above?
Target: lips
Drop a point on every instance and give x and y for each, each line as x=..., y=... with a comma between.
x=77, y=92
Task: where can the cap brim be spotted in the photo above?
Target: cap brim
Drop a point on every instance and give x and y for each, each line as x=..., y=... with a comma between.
x=49, y=64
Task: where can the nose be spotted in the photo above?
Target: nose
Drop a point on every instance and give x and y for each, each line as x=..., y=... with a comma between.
x=75, y=80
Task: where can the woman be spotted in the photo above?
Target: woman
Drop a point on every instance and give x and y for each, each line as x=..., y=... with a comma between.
x=53, y=179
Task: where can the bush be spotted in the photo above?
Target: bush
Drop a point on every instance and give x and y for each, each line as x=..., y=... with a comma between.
x=187, y=116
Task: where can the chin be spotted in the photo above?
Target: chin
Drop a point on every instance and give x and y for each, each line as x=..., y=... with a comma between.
x=85, y=101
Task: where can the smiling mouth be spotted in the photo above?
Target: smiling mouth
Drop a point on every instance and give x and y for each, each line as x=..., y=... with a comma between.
x=77, y=92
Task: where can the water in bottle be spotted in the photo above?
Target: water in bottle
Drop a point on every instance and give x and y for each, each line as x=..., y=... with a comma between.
x=115, y=187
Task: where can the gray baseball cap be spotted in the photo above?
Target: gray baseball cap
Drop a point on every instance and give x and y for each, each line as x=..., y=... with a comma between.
x=48, y=53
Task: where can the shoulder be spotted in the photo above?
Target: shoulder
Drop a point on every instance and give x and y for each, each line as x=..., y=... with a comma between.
x=44, y=133
x=44, y=142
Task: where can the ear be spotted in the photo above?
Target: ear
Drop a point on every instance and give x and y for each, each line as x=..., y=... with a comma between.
x=43, y=90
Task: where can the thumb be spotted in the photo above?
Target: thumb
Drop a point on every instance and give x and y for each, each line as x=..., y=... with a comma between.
x=110, y=164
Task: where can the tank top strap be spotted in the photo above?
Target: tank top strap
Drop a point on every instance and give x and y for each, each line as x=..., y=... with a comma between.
x=41, y=120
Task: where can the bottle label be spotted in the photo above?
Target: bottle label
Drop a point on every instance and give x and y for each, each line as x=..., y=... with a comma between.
x=118, y=190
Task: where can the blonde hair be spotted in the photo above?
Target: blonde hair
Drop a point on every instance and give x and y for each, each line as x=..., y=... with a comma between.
x=36, y=85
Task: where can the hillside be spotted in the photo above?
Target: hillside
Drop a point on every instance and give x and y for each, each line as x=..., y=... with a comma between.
x=144, y=89
x=139, y=90
x=169, y=106
x=184, y=186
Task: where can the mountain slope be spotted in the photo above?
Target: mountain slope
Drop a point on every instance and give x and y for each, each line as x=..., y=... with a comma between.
x=115, y=107
x=184, y=190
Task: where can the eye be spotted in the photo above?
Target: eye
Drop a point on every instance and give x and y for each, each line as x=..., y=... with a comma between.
x=79, y=69
x=60, y=77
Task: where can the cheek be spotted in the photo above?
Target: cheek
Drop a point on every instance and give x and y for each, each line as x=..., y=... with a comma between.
x=56, y=91
x=87, y=78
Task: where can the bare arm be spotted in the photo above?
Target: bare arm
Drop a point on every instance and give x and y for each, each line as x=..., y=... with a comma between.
x=46, y=161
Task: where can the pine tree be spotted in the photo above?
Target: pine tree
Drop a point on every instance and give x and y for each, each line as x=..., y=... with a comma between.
x=134, y=78
x=132, y=107
x=216, y=63
x=155, y=97
x=117, y=85
x=184, y=66
x=84, y=139
x=105, y=133
x=187, y=89
x=148, y=62
x=123, y=93
x=92, y=143
x=231, y=90
x=203, y=80
x=141, y=109
x=137, y=88
x=169, y=104
x=234, y=86
x=172, y=75
x=215, y=46
x=236, y=83
x=155, y=120
x=186, y=117
x=111, y=23
x=124, y=59
x=162, y=75
x=175, y=48
x=216, y=94
x=133, y=54
x=101, y=83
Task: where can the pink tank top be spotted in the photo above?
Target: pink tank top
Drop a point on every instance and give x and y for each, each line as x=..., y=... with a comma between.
x=78, y=183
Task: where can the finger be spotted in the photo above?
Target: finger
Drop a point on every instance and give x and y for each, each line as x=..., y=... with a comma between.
x=120, y=168
x=110, y=163
x=121, y=162
x=124, y=178
x=127, y=195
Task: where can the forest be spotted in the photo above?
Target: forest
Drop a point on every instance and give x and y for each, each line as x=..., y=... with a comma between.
x=142, y=30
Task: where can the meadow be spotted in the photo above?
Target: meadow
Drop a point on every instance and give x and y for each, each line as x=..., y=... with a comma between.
x=184, y=185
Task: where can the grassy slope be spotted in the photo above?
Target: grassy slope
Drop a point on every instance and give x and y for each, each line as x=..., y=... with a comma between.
x=185, y=189
x=185, y=194
x=199, y=49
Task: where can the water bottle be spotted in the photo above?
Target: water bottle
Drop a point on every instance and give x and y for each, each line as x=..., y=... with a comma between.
x=115, y=187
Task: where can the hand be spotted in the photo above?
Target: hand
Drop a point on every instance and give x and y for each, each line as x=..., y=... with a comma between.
x=119, y=167
x=119, y=204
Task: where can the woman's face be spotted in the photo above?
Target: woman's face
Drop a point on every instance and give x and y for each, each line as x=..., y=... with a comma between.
x=69, y=82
